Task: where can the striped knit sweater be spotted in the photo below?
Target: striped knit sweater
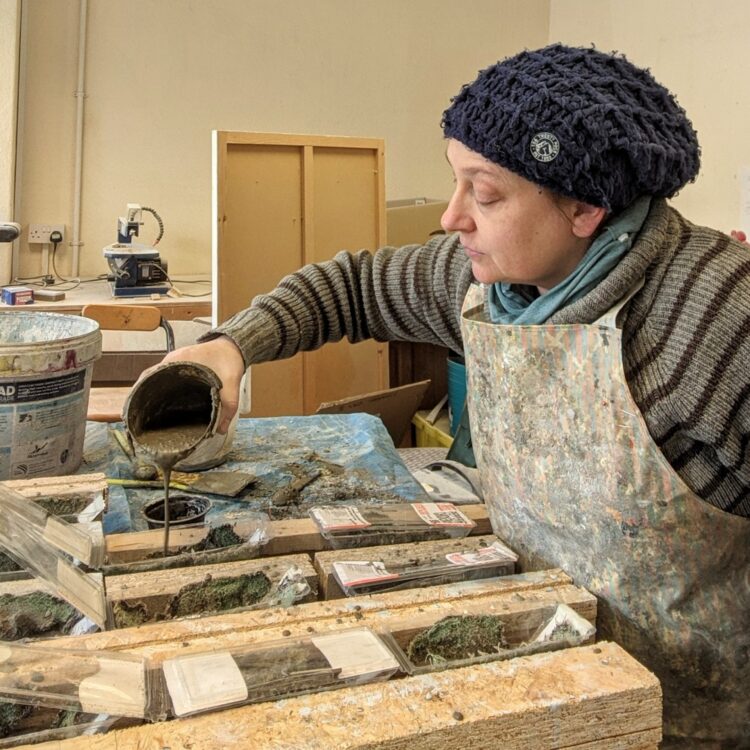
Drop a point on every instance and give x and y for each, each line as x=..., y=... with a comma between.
x=686, y=334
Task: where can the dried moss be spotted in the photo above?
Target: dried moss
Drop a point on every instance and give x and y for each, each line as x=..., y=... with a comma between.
x=7, y=564
x=220, y=594
x=11, y=715
x=128, y=615
x=455, y=637
x=64, y=506
x=34, y=614
x=217, y=538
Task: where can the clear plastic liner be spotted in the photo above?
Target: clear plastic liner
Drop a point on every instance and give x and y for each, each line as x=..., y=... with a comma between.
x=49, y=547
x=53, y=725
x=278, y=669
x=365, y=576
x=213, y=595
x=222, y=542
x=83, y=681
x=347, y=526
x=459, y=641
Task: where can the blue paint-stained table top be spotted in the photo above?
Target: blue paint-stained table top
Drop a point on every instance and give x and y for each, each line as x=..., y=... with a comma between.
x=356, y=458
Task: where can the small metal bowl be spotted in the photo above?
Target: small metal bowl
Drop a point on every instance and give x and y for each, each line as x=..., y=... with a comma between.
x=184, y=510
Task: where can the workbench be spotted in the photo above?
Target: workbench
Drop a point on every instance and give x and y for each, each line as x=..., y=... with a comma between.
x=591, y=696
x=173, y=308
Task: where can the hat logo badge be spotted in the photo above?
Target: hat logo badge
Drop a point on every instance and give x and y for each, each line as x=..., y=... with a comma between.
x=544, y=146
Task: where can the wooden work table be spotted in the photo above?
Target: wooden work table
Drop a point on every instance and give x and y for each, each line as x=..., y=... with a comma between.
x=172, y=307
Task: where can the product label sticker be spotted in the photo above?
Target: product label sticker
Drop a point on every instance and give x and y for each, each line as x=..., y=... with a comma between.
x=495, y=553
x=442, y=514
x=357, y=653
x=202, y=681
x=345, y=518
x=358, y=573
x=117, y=688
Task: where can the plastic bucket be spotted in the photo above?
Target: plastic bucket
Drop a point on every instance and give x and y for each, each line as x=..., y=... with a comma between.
x=456, y=392
x=180, y=393
x=46, y=361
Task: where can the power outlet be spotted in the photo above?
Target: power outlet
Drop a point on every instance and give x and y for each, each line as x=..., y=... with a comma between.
x=39, y=233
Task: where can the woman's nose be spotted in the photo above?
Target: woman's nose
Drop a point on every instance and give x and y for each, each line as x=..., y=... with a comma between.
x=456, y=218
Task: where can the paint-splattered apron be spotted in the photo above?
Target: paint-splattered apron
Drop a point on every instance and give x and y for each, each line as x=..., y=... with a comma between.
x=573, y=479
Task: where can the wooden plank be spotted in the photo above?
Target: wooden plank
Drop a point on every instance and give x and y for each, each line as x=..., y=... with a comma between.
x=301, y=199
x=288, y=537
x=396, y=555
x=587, y=697
x=153, y=592
x=113, y=317
x=402, y=609
x=68, y=486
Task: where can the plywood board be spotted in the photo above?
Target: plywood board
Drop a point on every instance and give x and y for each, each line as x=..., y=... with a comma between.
x=287, y=537
x=282, y=201
x=403, y=610
x=153, y=592
x=397, y=555
x=584, y=698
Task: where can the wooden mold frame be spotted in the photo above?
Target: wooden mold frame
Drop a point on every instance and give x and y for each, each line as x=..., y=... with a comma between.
x=281, y=201
x=591, y=696
x=287, y=537
x=420, y=553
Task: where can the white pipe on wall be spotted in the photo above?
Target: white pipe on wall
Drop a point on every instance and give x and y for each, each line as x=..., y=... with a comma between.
x=80, y=95
x=10, y=28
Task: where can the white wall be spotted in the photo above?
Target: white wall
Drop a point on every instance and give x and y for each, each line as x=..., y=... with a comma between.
x=699, y=50
x=161, y=74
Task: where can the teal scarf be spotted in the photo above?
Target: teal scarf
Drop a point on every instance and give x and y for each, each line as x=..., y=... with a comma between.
x=512, y=304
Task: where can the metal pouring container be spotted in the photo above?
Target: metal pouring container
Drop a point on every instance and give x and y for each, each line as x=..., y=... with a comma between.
x=178, y=393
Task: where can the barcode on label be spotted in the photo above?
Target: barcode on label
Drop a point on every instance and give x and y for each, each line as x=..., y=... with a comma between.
x=359, y=573
x=442, y=514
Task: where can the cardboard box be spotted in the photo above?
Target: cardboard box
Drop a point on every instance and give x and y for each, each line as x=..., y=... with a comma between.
x=413, y=220
x=17, y=295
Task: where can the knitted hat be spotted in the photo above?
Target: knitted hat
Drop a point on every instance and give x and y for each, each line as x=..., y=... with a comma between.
x=582, y=123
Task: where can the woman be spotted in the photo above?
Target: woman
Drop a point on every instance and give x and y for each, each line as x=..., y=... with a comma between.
x=606, y=353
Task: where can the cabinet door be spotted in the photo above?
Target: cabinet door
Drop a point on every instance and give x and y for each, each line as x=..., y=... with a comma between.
x=281, y=201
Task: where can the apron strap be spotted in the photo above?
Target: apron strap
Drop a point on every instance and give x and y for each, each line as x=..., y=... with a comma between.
x=609, y=319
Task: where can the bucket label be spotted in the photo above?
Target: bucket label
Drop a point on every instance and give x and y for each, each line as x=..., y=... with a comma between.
x=23, y=391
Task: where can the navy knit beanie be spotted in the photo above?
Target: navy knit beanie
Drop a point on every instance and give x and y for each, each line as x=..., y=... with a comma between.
x=582, y=123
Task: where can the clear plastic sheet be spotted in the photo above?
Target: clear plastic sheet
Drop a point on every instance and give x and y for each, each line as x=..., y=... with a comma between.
x=458, y=641
x=278, y=669
x=363, y=575
x=57, y=725
x=221, y=542
x=48, y=547
x=346, y=526
x=83, y=681
x=213, y=595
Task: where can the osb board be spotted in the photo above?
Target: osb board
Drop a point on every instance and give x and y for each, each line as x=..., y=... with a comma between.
x=585, y=698
x=155, y=589
x=398, y=611
x=282, y=201
x=395, y=555
x=291, y=536
x=63, y=487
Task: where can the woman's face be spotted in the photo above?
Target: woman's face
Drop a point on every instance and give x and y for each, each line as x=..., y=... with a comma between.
x=511, y=229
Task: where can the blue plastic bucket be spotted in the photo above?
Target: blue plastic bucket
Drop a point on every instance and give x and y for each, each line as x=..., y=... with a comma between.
x=456, y=392
x=46, y=362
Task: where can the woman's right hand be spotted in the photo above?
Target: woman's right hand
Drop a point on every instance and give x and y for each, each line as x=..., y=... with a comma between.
x=222, y=356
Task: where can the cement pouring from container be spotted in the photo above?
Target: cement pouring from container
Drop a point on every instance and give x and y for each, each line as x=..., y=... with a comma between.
x=173, y=395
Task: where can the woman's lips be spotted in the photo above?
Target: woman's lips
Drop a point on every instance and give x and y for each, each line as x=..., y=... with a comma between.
x=471, y=253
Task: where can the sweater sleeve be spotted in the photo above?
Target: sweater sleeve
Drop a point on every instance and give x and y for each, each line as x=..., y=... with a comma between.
x=412, y=293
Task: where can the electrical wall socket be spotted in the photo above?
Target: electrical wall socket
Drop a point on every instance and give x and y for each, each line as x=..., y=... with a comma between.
x=39, y=233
